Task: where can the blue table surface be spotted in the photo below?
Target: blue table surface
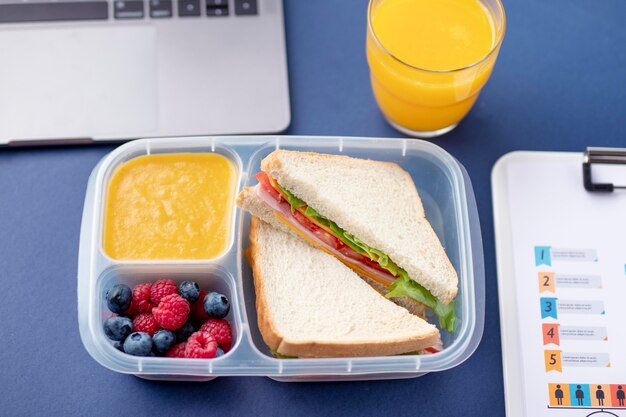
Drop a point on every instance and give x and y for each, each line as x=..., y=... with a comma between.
x=559, y=84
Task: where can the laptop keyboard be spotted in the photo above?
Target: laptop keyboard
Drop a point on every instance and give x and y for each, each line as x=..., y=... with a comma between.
x=122, y=10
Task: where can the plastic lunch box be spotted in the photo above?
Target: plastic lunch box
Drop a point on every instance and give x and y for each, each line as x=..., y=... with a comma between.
x=448, y=199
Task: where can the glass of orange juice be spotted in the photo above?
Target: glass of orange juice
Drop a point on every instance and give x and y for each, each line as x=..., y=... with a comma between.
x=429, y=59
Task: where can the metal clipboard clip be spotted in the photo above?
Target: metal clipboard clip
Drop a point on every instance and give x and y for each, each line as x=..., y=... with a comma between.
x=602, y=156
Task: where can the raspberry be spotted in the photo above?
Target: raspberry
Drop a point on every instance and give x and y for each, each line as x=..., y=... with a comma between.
x=162, y=288
x=201, y=345
x=172, y=312
x=146, y=323
x=177, y=351
x=220, y=329
x=141, y=299
x=197, y=309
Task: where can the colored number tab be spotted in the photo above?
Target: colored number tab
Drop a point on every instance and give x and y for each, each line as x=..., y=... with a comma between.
x=553, y=360
x=550, y=333
x=548, y=307
x=542, y=255
x=546, y=281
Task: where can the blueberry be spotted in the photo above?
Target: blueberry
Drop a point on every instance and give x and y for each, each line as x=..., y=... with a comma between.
x=189, y=290
x=184, y=332
x=119, y=346
x=117, y=328
x=163, y=340
x=138, y=344
x=216, y=305
x=118, y=298
x=220, y=352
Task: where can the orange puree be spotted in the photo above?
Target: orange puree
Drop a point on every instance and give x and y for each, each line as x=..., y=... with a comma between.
x=170, y=206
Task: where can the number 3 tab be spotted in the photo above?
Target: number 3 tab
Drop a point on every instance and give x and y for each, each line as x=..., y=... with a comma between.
x=548, y=307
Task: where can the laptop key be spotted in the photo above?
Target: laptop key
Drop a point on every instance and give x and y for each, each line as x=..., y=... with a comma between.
x=188, y=8
x=57, y=11
x=160, y=8
x=128, y=9
x=217, y=3
x=246, y=7
x=217, y=11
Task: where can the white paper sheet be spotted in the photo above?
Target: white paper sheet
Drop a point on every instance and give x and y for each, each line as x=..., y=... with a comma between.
x=562, y=257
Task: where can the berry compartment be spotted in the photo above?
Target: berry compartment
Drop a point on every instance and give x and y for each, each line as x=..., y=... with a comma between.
x=209, y=278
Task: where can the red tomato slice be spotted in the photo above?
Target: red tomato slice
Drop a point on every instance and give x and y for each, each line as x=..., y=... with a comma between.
x=320, y=233
x=352, y=254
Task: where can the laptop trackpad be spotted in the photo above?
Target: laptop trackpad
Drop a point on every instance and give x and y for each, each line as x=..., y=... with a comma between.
x=71, y=82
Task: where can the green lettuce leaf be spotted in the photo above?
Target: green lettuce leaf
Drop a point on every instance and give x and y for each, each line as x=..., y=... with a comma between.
x=406, y=287
x=280, y=355
x=294, y=201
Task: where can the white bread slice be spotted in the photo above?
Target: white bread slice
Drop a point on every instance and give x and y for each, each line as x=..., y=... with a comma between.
x=375, y=201
x=249, y=200
x=311, y=305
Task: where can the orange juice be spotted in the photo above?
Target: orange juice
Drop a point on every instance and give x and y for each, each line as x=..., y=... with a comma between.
x=170, y=206
x=429, y=59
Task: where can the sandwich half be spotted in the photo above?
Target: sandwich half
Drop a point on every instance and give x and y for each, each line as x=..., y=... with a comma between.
x=366, y=213
x=311, y=305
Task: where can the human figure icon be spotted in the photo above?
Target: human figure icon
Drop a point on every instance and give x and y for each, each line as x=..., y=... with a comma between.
x=558, y=394
x=580, y=395
x=620, y=395
x=600, y=395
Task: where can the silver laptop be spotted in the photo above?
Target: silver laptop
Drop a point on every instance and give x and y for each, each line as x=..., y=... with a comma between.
x=98, y=70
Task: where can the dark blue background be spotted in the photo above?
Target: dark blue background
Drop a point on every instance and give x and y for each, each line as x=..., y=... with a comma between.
x=559, y=84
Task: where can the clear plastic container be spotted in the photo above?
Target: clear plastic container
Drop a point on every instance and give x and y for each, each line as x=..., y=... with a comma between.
x=450, y=206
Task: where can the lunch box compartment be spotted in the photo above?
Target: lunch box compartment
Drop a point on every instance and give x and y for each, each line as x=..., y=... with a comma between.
x=209, y=278
x=150, y=148
x=448, y=199
x=432, y=181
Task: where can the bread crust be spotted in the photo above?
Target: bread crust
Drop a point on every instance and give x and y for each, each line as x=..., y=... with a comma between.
x=311, y=349
x=270, y=334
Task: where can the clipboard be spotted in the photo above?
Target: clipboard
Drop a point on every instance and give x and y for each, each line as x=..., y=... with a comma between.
x=560, y=228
